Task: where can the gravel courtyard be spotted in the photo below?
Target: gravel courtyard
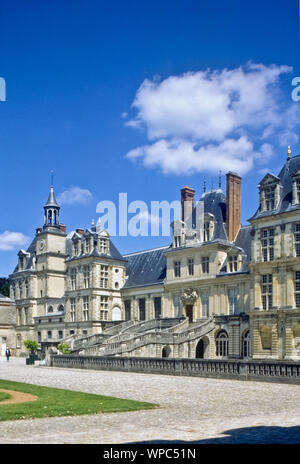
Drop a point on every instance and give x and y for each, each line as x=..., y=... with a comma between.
x=193, y=410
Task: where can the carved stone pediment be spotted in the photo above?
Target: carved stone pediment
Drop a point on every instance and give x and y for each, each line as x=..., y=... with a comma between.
x=189, y=296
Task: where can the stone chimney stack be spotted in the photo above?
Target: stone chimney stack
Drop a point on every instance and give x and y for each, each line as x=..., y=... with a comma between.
x=187, y=202
x=233, y=205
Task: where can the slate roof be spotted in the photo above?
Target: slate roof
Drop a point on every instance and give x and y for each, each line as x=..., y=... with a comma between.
x=285, y=176
x=146, y=267
x=215, y=203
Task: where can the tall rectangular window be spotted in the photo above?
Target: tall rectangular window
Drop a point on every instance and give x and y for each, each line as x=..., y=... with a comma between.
x=205, y=265
x=233, y=301
x=191, y=266
x=267, y=291
x=142, y=308
x=103, y=245
x=86, y=276
x=86, y=304
x=206, y=234
x=157, y=307
x=270, y=197
x=127, y=304
x=267, y=243
x=104, y=276
x=177, y=240
x=205, y=304
x=232, y=264
x=297, y=239
x=73, y=278
x=177, y=306
x=104, y=308
x=177, y=269
x=297, y=289
x=72, y=309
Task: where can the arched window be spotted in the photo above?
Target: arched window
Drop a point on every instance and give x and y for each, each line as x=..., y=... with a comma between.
x=60, y=308
x=222, y=344
x=246, y=345
x=50, y=309
x=116, y=314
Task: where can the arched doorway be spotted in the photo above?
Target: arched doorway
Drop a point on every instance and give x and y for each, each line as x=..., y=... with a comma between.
x=200, y=349
x=166, y=351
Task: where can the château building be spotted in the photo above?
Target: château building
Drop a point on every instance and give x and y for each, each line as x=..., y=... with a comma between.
x=219, y=290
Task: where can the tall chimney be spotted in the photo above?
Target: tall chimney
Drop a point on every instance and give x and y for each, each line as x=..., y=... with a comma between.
x=187, y=202
x=233, y=205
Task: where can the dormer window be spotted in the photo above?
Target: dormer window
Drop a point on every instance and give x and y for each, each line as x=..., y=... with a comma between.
x=269, y=190
x=87, y=245
x=232, y=264
x=177, y=241
x=103, y=245
x=206, y=236
x=75, y=248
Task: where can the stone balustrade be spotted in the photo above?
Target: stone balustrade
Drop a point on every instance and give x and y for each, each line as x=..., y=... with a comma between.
x=260, y=370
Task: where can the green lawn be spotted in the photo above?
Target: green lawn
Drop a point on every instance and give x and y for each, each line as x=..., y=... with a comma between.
x=53, y=402
x=4, y=396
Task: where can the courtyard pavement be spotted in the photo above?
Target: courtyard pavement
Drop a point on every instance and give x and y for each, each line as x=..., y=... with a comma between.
x=192, y=410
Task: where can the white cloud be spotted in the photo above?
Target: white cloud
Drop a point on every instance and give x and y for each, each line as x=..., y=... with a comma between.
x=75, y=195
x=12, y=240
x=212, y=120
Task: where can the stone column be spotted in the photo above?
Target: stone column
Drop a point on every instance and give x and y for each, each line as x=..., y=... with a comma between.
x=289, y=288
x=295, y=196
x=276, y=294
x=257, y=292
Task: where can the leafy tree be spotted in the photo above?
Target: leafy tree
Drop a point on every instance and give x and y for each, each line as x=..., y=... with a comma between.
x=64, y=348
x=4, y=286
x=31, y=345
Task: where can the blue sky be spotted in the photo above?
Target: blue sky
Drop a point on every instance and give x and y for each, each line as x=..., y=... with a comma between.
x=73, y=69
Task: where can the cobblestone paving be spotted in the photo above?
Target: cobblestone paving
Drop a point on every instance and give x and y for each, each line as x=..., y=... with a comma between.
x=193, y=410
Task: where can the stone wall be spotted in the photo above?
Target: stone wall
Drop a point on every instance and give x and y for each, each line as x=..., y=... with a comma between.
x=265, y=371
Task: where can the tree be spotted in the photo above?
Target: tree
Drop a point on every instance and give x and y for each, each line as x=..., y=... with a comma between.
x=4, y=286
x=64, y=348
x=31, y=345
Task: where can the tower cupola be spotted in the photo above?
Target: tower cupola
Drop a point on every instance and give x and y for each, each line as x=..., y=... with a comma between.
x=51, y=209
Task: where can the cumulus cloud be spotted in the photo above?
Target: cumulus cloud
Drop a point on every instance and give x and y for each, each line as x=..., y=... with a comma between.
x=75, y=195
x=212, y=120
x=12, y=240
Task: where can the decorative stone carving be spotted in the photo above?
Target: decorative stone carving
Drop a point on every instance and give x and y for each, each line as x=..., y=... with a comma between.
x=189, y=296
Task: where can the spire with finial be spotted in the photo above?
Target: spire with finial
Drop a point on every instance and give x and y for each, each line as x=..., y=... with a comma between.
x=204, y=184
x=289, y=152
x=51, y=208
x=220, y=179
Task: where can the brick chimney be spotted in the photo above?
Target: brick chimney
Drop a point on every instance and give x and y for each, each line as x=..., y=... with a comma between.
x=233, y=205
x=187, y=202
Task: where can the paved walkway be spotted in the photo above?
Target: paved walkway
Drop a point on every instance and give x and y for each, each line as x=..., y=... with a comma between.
x=193, y=410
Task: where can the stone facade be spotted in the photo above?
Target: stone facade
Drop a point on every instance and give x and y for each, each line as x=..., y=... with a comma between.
x=219, y=291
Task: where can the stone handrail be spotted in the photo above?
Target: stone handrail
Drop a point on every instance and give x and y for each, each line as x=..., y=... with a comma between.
x=266, y=371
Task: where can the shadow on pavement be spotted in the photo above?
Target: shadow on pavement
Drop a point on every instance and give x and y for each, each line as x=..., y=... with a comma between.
x=247, y=435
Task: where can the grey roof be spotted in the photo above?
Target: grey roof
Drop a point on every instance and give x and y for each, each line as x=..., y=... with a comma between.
x=31, y=250
x=146, y=267
x=51, y=202
x=113, y=251
x=215, y=203
x=285, y=177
